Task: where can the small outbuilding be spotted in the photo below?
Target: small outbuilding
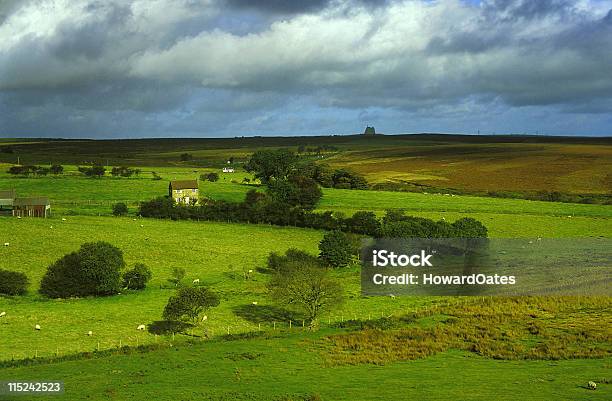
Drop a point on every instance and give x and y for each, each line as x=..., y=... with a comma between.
x=32, y=207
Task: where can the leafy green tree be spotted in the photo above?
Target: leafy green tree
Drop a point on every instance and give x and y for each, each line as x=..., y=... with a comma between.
x=189, y=302
x=364, y=223
x=120, y=209
x=268, y=165
x=296, y=191
x=308, y=289
x=468, y=227
x=212, y=177
x=94, y=270
x=336, y=249
x=13, y=283
x=137, y=278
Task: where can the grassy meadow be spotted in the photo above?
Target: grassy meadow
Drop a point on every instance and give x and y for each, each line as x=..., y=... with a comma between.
x=532, y=349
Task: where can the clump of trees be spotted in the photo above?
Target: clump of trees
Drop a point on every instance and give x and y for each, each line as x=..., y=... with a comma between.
x=189, y=303
x=120, y=209
x=56, y=169
x=124, y=171
x=13, y=283
x=95, y=171
x=137, y=278
x=95, y=269
x=212, y=177
x=186, y=157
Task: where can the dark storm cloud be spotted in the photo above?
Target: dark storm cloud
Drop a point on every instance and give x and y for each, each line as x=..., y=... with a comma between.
x=147, y=66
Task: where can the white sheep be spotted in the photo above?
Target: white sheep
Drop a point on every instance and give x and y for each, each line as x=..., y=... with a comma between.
x=6, y=244
x=392, y=295
x=142, y=225
x=592, y=385
x=18, y=217
x=204, y=318
x=37, y=327
x=196, y=281
x=63, y=219
x=141, y=327
x=2, y=314
x=90, y=333
x=254, y=302
x=50, y=226
x=250, y=270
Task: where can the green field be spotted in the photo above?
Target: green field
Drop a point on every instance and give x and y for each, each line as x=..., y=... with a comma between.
x=283, y=363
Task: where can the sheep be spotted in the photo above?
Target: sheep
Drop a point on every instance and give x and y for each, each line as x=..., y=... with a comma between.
x=37, y=327
x=539, y=238
x=592, y=385
x=250, y=270
x=141, y=327
x=90, y=333
x=18, y=217
x=142, y=225
x=204, y=318
x=254, y=302
x=196, y=281
x=392, y=295
x=6, y=244
x=2, y=314
x=50, y=226
x=63, y=219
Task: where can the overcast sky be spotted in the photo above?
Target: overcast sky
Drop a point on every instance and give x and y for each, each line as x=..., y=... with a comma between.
x=163, y=68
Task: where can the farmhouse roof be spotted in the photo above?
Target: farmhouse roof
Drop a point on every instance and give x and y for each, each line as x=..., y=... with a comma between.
x=34, y=201
x=184, y=184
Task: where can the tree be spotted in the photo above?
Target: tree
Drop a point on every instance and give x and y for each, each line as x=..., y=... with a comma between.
x=95, y=269
x=56, y=169
x=468, y=227
x=307, y=288
x=93, y=171
x=189, y=302
x=137, y=278
x=212, y=177
x=13, y=283
x=120, y=209
x=186, y=157
x=268, y=165
x=293, y=259
x=336, y=249
x=364, y=223
x=296, y=191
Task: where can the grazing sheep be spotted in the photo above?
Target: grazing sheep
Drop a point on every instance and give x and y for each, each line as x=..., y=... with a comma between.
x=2, y=314
x=18, y=217
x=196, y=281
x=63, y=219
x=90, y=333
x=539, y=239
x=392, y=295
x=592, y=385
x=250, y=270
x=531, y=242
x=142, y=225
x=141, y=327
x=254, y=302
x=6, y=244
x=37, y=327
x=204, y=318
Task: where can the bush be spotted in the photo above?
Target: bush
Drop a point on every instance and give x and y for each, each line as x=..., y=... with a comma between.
x=336, y=249
x=212, y=177
x=94, y=171
x=95, y=269
x=293, y=258
x=120, y=209
x=186, y=157
x=468, y=227
x=13, y=283
x=188, y=303
x=137, y=278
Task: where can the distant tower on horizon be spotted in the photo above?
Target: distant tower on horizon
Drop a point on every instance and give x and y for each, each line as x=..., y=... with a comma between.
x=369, y=131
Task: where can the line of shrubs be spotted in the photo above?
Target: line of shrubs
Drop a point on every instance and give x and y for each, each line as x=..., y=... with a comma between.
x=260, y=208
x=26, y=171
x=96, y=269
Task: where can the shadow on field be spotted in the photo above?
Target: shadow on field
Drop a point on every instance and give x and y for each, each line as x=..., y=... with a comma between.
x=265, y=314
x=164, y=327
